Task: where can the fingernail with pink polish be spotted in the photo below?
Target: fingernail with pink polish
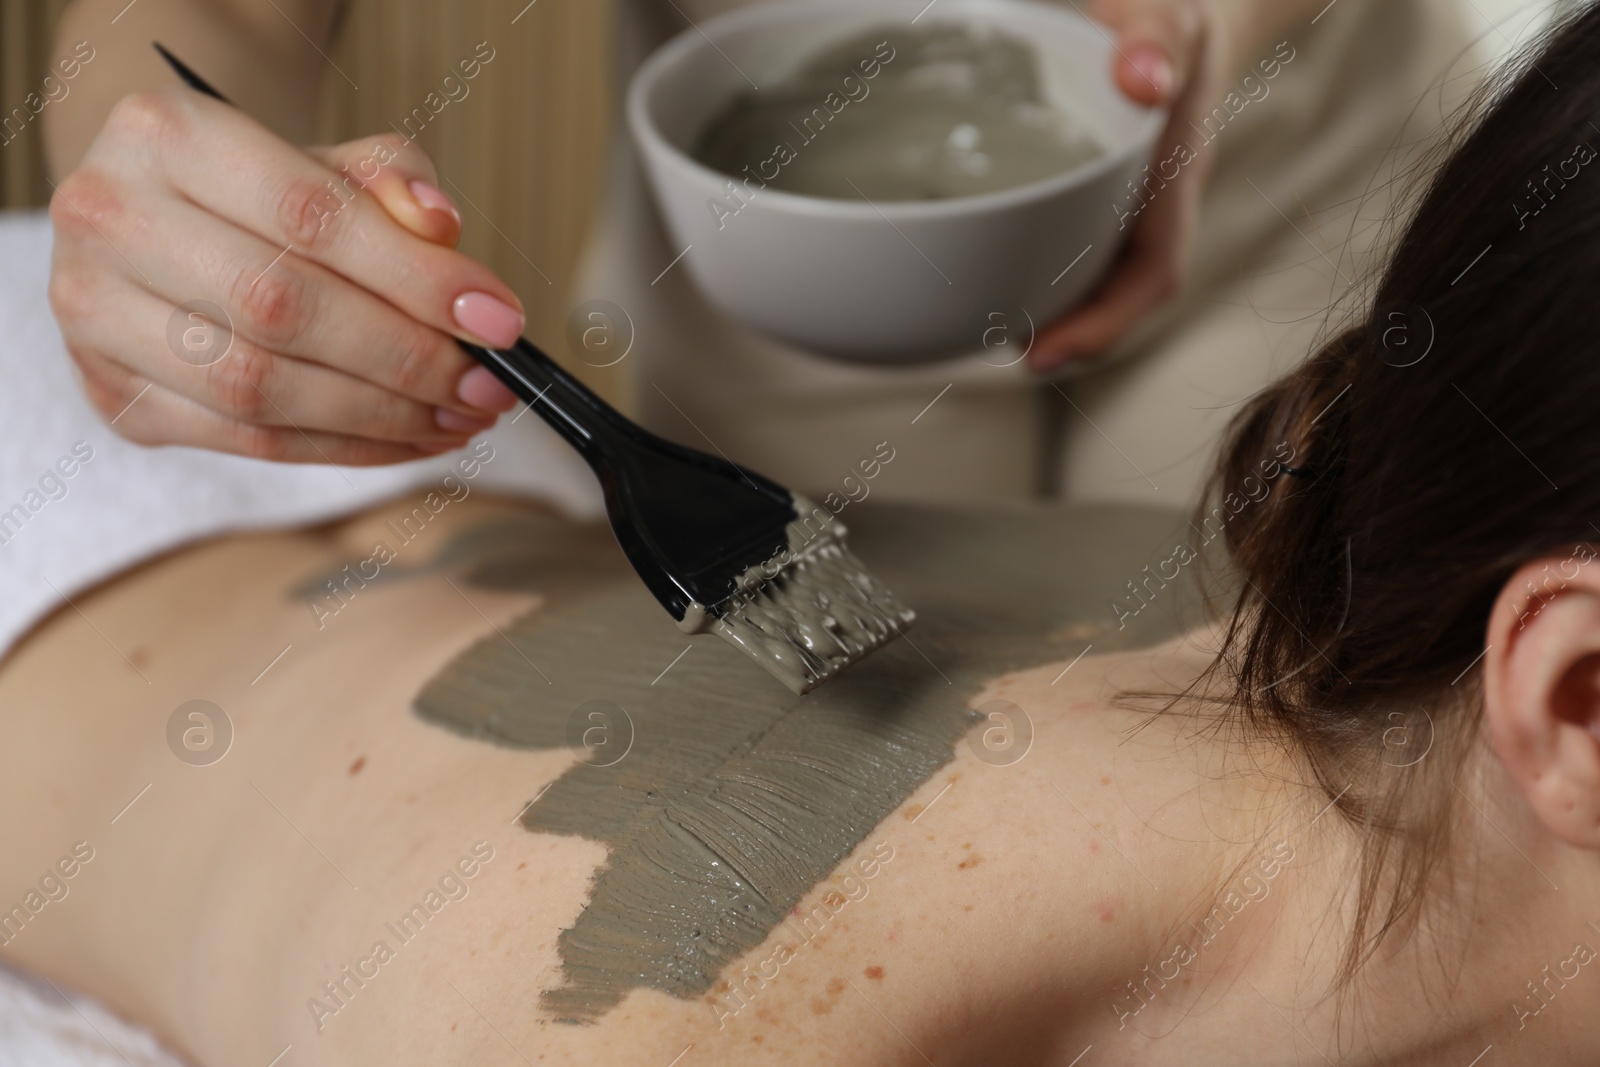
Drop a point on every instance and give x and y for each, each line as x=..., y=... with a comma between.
x=479, y=388
x=452, y=421
x=495, y=321
x=433, y=198
x=1155, y=67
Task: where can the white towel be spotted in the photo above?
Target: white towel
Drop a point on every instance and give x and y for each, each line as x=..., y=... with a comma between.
x=127, y=503
x=45, y=1027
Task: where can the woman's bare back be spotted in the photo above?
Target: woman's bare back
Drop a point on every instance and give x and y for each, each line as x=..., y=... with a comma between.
x=483, y=803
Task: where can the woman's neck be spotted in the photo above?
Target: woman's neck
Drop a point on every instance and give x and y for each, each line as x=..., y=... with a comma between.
x=1501, y=957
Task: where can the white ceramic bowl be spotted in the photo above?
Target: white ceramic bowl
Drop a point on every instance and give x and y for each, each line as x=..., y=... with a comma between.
x=888, y=281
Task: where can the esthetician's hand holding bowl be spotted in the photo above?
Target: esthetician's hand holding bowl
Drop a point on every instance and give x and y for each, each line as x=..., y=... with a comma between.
x=876, y=179
x=1176, y=54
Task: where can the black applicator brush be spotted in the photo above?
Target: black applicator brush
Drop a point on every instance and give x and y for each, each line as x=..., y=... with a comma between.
x=721, y=547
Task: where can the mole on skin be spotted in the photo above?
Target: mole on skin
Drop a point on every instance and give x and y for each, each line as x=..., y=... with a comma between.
x=735, y=796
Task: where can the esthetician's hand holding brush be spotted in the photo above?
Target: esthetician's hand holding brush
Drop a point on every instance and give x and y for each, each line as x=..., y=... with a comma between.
x=1186, y=55
x=344, y=308
x=721, y=548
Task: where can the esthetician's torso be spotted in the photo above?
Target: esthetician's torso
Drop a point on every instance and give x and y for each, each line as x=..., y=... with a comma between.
x=1005, y=910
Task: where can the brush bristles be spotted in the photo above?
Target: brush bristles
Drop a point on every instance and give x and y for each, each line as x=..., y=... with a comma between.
x=818, y=615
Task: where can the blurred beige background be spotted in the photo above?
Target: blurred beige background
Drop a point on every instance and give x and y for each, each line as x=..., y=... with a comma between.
x=522, y=153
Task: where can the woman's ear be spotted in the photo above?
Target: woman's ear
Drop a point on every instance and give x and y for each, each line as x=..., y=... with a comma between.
x=1541, y=690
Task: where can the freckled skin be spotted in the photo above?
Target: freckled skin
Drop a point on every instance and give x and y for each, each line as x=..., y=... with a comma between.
x=824, y=1005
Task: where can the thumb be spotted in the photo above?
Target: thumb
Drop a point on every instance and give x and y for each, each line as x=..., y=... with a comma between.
x=1157, y=45
x=402, y=178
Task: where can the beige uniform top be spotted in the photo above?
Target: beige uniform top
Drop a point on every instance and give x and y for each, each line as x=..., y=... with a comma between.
x=1290, y=220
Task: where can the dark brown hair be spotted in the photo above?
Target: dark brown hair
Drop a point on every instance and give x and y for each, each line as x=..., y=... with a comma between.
x=1442, y=442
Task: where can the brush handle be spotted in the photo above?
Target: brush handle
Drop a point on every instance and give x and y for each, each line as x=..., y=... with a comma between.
x=684, y=513
x=588, y=423
x=689, y=522
x=694, y=502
